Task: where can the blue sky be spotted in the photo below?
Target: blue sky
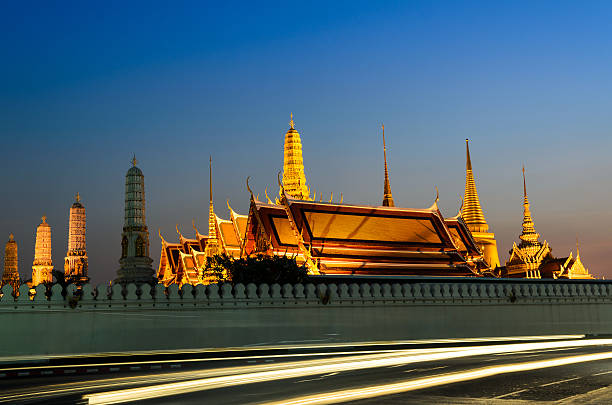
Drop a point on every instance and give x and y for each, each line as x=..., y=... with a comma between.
x=84, y=85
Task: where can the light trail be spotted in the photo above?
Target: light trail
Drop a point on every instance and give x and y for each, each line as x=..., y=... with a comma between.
x=334, y=397
x=302, y=369
x=263, y=347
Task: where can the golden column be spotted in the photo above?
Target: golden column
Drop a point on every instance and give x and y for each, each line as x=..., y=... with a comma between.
x=42, y=268
x=11, y=263
x=76, y=263
x=294, y=179
x=472, y=214
x=387, y=196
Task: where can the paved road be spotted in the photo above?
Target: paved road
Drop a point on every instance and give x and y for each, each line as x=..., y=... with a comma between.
x=544, y=372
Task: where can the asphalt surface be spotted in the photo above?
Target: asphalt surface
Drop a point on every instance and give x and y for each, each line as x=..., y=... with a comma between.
x=583, y=382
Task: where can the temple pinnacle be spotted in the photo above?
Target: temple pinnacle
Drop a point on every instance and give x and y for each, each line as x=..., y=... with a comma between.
x=291, y=124
x=387, y=196
x=11, y=237
x=529, y=235
x=472, y=212
x=44, y=219
x=134, y=161
x=77, y=197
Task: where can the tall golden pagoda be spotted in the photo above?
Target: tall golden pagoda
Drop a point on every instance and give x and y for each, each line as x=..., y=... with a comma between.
x=42, y=267
x=387, y=196
x=472, y=215
x=294, y=179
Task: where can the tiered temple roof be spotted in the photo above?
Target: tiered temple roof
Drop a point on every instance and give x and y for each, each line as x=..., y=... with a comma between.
x=349, y=239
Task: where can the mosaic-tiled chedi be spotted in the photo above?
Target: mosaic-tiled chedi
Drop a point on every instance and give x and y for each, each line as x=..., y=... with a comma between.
x=11, y=263
x=135, y=261
x=75, y=263
x=42, y=268
x=472, y=214
x=294, y=179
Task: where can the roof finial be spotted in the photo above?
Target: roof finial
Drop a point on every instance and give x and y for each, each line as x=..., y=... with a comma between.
x=44, y=219
x=468, y=162
x=292, y=126
x=524, y=183
x=134, y=161
x=577, y=248
x=11, y=237
x=387, y=196
x=77, y=197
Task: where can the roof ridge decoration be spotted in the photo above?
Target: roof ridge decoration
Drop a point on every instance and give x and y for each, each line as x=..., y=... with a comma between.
x=312, y=267
x=387, y=196
x=471, y=211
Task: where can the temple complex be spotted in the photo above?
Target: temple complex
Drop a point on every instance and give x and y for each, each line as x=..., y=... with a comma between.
x=11, y=264
x=135, y=263
x=533, y=259
x=42, y=267
x=472, y=214
x=75, y=263
x=334, y=238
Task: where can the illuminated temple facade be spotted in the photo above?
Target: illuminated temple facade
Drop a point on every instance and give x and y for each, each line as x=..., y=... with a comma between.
x=533, y=259
x=42, y=267
x=334, y=238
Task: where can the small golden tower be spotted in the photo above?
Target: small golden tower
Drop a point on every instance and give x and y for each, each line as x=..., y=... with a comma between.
x=294, y=179
x=387, y=196
x=42, y=268
x=11, y=263
x=473, y=216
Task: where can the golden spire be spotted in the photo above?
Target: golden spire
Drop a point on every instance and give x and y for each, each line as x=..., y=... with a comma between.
x=529, y=235
x=387, y=196
x=134, y=161
x=77, y=197
x=44, y=219
x=294, y=179
x=212, y=228
x=11, y=237
x=471, y=211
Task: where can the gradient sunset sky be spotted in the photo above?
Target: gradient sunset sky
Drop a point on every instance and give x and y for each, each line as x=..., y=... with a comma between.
x=84, y=85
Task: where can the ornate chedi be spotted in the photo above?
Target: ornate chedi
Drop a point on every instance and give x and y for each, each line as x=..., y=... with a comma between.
x=387, y=196
x=527, y=257
x=42, y=268
x=75, y=263
x=472, y=215
x=135, y=261
x=294, y=179
x=533, y=259
x=11, y=263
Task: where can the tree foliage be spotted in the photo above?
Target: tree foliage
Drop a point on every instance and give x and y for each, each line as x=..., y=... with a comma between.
x=257, y=269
